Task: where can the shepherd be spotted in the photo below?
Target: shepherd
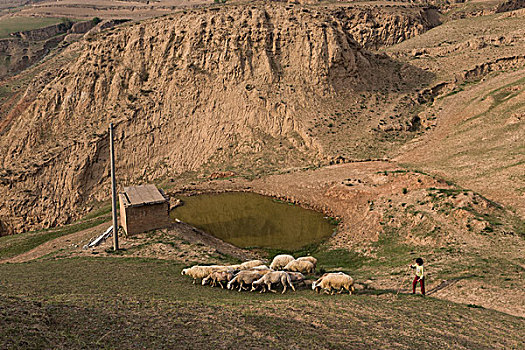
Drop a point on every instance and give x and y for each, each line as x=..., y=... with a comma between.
x=420, y=276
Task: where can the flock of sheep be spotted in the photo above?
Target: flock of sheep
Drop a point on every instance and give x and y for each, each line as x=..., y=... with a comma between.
x=284, y=270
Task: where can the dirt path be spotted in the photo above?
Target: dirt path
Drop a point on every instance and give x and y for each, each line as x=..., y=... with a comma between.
x=74, y=240
x=72, y=245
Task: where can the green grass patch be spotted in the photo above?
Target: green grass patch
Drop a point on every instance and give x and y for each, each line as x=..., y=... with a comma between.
x=14, y=245
x=391, y=251
x=340, y=259
x=5, y=91
x=449, y=192
x=18, y=24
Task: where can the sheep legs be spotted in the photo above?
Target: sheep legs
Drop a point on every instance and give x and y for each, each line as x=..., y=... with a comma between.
x=348, y=289
x=241, y=286
x=254, y=288
x=263, y=288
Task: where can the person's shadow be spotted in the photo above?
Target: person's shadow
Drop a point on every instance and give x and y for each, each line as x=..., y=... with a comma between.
x=444, y=284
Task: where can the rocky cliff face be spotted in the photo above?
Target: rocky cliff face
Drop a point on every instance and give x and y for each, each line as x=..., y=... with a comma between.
x=376, y=27
x=206, y=89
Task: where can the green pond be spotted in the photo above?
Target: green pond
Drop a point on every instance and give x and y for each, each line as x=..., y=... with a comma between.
x=252, y=220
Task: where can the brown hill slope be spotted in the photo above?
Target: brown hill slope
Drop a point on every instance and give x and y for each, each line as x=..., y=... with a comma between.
x=477, y=119
x=237, y=86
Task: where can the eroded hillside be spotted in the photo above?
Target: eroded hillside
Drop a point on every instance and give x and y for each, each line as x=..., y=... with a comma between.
x=188, y=93
x=476, y=121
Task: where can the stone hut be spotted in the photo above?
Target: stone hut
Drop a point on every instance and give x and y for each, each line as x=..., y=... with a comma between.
x=143, y=208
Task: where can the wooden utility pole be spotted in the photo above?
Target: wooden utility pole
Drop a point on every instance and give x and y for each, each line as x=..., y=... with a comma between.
x=113, y=188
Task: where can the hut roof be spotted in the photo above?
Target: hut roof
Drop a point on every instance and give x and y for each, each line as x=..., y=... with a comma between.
x=135, y=196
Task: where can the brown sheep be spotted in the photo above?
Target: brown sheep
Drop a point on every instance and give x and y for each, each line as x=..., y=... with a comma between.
x=218, y=277
x=273, y=277
x=308, y=258
x=296, y=277
x=315, y=285
x=202, y=271
x=300, y=266
x=244, y=277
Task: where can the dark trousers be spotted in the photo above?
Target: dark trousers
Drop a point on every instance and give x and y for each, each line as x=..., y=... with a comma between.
x=414, y=284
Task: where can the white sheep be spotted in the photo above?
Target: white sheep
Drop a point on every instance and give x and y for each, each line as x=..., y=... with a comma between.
x=300, y=266
x=280, y=261
x=308, y=258
x=315, y=285
x=245, y=278
x=199, y=271
x=260, y=268
x=250, y=264
x=273, y=277
x=319, y=280
x=334, y=281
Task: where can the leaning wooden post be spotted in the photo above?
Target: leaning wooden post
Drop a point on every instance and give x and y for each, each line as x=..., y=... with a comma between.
x=113, y=188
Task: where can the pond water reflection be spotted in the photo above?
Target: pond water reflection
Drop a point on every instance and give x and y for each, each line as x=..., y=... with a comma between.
x=252, y=220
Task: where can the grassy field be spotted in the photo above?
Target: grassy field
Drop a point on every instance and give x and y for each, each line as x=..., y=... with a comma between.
x=138, y=303
x=17, y=24
x=13, y=245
